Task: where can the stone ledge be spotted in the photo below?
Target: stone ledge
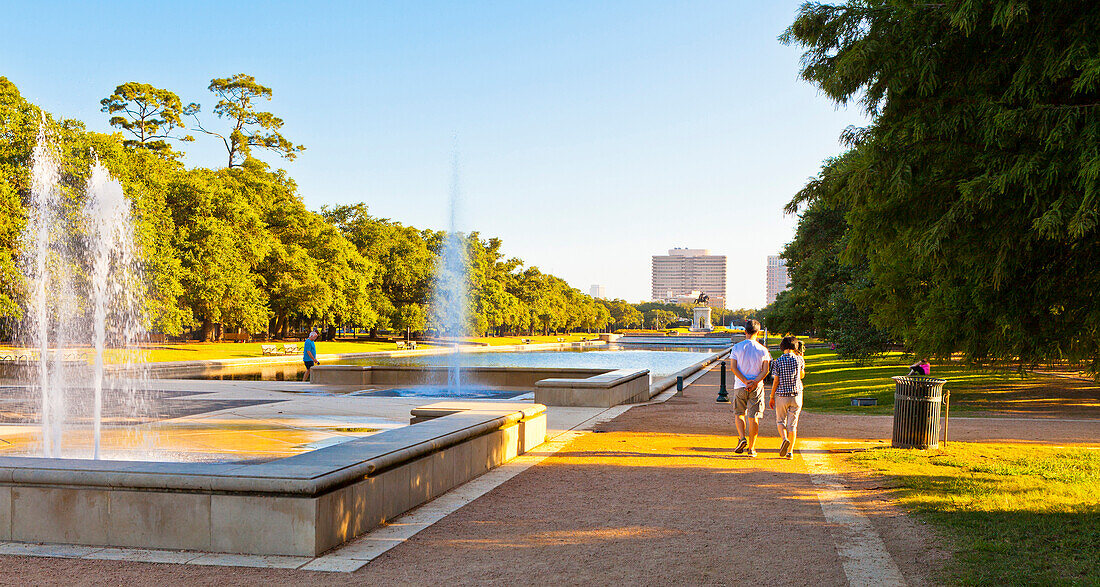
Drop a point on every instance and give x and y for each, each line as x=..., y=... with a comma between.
x=300, y=505
x=604, y=390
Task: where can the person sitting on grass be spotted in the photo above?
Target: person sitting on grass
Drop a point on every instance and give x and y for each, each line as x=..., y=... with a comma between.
x=921, y=367
x=786, y=396
x=750, y=366
x=309, y=355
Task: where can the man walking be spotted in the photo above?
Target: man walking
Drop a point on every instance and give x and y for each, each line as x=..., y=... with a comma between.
x=309, y=354
x=751, y=361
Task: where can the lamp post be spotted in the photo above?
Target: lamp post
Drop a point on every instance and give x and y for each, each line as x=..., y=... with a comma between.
x=723, y=395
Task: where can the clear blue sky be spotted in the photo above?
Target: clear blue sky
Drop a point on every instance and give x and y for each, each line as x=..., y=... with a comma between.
x=591, y=134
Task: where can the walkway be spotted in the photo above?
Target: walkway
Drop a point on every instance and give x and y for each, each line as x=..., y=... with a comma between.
x=655, y=496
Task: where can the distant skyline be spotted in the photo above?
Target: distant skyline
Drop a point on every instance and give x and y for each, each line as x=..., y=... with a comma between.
x=591, y=136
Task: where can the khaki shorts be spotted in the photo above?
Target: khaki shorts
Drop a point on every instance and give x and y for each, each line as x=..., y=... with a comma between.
x=749, y=404
x=787, y=409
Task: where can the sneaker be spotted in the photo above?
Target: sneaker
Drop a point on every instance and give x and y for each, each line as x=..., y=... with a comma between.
x=741, y=444
x=752, y=453
x=783, y=448
x=790, y=455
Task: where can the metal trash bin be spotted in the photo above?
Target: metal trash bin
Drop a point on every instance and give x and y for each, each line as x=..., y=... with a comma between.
x=917, y=402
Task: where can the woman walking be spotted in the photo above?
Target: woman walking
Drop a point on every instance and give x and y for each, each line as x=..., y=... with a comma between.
x=786, y=396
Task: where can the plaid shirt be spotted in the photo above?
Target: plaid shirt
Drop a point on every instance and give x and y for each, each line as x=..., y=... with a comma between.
x=786, y=370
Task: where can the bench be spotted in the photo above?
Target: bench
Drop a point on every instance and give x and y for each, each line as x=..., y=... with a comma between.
x=401, y=344
x=290, y=349
x=269, y=349
x=560, y=339
x=525, y=340
x=242, y=337
x=156, y=338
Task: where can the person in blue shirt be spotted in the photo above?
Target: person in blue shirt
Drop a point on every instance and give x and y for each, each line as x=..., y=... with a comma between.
x=309, y=355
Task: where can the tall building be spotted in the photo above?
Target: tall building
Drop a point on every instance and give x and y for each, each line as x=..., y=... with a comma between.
x=684, y=271
x=777, y=277
x=598, y=292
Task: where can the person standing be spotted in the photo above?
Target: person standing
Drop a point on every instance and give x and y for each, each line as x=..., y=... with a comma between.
x=786, y=396
x=751, y=363
x=309, y=355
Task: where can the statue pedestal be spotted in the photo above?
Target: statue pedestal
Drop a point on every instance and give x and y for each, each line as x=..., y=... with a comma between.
x=701, y=320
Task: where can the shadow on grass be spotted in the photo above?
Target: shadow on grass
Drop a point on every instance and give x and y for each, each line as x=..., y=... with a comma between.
x=831, y=383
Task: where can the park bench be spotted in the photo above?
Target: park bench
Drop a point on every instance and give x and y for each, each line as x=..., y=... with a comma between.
x=156, y=338
x=290, y=349
x=231, y=337
x=411, y=344
x=560, y=339
x=269, y=349
x=525, y=340
x=401, y=344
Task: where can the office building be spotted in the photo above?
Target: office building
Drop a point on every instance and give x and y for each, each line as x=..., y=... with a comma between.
x=684, y=271
x=598, y=292
x=777, y=277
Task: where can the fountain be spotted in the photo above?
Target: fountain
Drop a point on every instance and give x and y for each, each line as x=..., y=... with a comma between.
x=54, y=254
x=82, y=270
x=450, y=291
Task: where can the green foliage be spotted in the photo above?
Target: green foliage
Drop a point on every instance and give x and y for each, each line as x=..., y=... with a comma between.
x=657, y=319
x=148, y=114
x=236, y=248
x=851, y=329
x=971, y=202
x=248, y=127
x=18, y=128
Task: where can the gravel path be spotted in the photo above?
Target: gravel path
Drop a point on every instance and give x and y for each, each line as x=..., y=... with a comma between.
x=655, y=497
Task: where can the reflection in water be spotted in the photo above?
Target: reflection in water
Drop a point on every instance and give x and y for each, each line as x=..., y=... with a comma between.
x=211, y=439
x=660, y=361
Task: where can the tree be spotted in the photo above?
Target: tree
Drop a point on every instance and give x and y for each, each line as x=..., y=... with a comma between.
x=149, y=114
x=248, y=127
x=658, y=318
x=973, y=197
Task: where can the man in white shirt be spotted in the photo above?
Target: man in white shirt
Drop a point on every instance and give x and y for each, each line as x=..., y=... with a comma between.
x=751, y=362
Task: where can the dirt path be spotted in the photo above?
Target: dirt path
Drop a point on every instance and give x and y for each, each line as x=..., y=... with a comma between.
x=656, y=496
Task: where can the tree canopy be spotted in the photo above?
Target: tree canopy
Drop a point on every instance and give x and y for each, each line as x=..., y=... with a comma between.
x=237, y=248
x=248, y=127
x=964, y=217
x=148, y=114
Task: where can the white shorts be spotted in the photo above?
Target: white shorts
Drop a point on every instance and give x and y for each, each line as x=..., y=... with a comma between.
x=787, y=409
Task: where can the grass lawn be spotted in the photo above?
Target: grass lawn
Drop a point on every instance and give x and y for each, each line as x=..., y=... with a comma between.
x=831, y=383
x=1013, y=514
x=233, y=350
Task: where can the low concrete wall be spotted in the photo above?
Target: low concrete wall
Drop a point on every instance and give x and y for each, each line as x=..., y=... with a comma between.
x=666, y=382
x=301, y=505
x=437, y=375
x=169, y=369
x=621, y=386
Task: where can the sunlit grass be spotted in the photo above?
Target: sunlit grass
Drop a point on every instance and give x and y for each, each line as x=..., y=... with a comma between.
x=1014, y=514
x=222, y=350
x=832, y=383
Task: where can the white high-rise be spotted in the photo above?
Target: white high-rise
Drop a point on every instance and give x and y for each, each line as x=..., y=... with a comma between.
x=598, y=291
x=684, y=271
x=778, y=280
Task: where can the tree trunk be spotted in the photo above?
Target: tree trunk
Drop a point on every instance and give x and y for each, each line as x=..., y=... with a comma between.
x=207, y=329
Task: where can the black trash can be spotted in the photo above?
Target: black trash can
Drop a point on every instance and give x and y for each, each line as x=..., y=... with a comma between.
x=917, y=402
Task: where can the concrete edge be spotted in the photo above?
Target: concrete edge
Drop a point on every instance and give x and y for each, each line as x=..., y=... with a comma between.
x=294, y=359
x=231, y=478
x=666, y=382
x=607, y=379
